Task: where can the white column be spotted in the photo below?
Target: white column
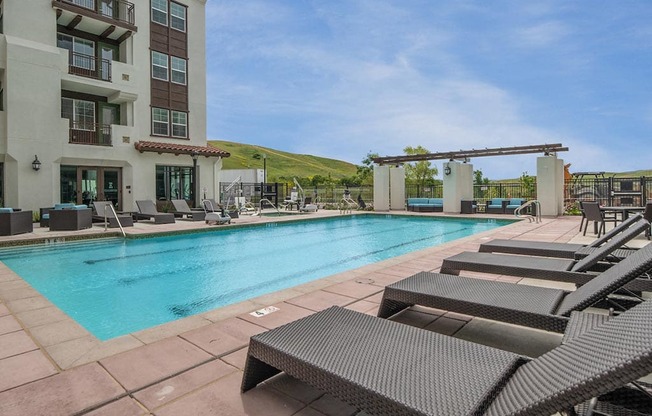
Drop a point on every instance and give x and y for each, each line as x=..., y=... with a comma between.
x=458, y=185
x=397, y=188
x=381, y=188
x=550, y=185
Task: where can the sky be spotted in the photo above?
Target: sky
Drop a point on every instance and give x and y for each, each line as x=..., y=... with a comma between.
x=342, y=78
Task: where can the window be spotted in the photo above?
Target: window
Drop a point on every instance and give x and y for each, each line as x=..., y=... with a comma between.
x=178, y=66
x=179, y=124
x=80, y=113
x=177, y=17
x=174, y=182
x=82, y=51
x=160, y=122
x=159, y=66
x=160, y=11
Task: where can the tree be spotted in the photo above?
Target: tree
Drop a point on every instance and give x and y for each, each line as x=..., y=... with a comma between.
x=365, y=172
x=478, y=178
x=527, y=184
x=420, y=173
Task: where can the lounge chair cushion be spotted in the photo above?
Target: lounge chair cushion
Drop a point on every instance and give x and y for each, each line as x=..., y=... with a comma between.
x=6, y=210
x=65, y=205
x=78, y=207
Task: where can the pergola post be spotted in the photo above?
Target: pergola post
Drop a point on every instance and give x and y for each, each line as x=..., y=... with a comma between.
x=381, y=188
x=458, y=185
x=397, y=188
x=550, y=185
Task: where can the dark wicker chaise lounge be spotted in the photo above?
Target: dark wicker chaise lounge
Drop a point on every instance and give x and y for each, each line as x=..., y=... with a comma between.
x=560, y=250
x=536, y=307
x=147, y=210
x=102, y=210
x=388, y=368
x=181, y=208
x=562, y=270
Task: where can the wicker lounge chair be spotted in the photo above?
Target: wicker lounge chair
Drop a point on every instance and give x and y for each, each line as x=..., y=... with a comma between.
x=15, y=222
x=525, y=305
x=387, y=368
x=181, y=207
x=562, y=250
x=102, y=209
x=546, y=268
x=147, y=210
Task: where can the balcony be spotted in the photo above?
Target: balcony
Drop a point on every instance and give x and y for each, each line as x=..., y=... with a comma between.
x=90, y=133
x=114, y=19
x=89, y=66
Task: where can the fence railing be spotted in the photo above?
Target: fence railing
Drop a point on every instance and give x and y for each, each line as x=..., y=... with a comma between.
x=607, y=191
x=118, y=10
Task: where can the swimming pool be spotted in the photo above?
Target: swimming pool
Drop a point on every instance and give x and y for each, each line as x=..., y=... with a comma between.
x=115, y=287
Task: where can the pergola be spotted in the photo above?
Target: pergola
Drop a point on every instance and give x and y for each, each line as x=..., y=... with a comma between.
x=389, y=183
x=465, y=155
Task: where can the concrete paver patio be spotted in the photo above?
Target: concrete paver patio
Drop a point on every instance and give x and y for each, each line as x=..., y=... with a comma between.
x=51, y=365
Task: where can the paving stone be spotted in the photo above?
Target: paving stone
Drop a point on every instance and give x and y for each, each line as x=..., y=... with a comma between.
x=223, y=398
x=223, y=337
x=42, y=316
x=168, y=390
x=58, y=332
x=237, y=359
x=15, y=343
x=9, y=324
x=123, y=407
x=354, y=289
x=331, y=406
x=66, y=393
x=320, y=300
x=285, y=313
x=153, y=362
x=24, y=368
x=445, y=326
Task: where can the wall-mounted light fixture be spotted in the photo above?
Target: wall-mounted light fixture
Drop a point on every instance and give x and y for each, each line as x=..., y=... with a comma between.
x=447, y=170
x=36, y=164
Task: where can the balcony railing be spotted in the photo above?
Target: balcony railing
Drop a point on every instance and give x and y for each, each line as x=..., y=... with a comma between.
x=120, y=10
x=89, y=66
x=90, y=133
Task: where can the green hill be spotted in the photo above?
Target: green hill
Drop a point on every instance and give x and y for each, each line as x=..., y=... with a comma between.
x=282, y=165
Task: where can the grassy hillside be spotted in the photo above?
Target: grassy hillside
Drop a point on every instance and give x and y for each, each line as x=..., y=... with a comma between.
x=282, y=164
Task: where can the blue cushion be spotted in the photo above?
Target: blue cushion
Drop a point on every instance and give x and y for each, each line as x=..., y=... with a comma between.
x=496, y=201
x=66, y=205
x=6, y=210
x=436, y=201
x=82, y=206
x=413, y=201
x=516, y=201
x=46, y=216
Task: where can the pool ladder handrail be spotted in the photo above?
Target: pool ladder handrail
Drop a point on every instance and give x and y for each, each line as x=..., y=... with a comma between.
x=260, y=207
x=518, y=212
x=346, y=205
x=106, y=219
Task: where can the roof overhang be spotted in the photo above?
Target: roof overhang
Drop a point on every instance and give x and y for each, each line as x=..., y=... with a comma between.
x=180, y=149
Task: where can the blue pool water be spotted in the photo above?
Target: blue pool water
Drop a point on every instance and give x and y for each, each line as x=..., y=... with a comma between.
x=120, y=286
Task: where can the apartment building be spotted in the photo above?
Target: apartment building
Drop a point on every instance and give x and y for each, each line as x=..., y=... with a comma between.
x=103, y=100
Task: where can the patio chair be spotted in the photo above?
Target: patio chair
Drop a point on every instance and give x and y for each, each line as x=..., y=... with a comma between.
x=181, y=207
x=147, y=210
x=70, y=217
x=15, y=222
x=562, y=270
x=387, y=368
x=561, y=250
x=213, y=214
x=593, y=213
x=532, y=306
x=102, y=209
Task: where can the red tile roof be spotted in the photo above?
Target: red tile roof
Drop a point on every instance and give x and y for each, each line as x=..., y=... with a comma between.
x=179, y=149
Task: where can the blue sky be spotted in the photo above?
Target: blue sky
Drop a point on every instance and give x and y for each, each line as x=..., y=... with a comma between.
x=340, y=78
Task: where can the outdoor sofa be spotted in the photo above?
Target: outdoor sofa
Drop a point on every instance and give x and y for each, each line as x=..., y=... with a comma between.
x=15, y=222
x=147, y=210
x=560, y=250
x=503, y=205
x=388, y=368
x=67, y=217
x=425, y=204
x=546, y=268
x=525, y=305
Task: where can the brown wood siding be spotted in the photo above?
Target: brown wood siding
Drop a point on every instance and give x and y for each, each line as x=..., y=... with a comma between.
x=173, y=43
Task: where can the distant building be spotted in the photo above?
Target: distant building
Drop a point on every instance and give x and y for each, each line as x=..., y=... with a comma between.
x=109, y=96
x=245, y=175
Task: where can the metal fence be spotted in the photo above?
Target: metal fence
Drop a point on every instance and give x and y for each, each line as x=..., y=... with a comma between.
x=607, y=191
